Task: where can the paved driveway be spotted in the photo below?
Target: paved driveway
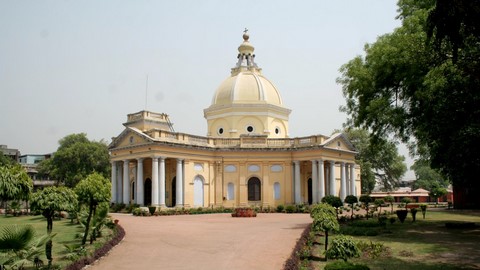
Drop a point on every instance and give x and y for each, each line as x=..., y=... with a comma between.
x=212, y=241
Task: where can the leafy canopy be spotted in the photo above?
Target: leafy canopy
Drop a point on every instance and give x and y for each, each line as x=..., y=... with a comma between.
x=421, y=84
x=14, y=183
x=77, y=157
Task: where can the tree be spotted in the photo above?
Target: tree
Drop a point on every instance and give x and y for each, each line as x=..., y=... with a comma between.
x=437, y=191
x=6, y=161
x=378, y=159
x=421, y=84
x=324, y=219
x=77, y=157
x=53, y=199
x=351, y=200
x=14, y=184
x=92, y=191
x=334, y=201
x=426, y=176
x=379, y=203
x=390, y=200
x=366, y=200
x=50, y=200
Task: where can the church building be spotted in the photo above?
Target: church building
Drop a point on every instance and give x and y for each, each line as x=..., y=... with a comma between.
x=246, y=158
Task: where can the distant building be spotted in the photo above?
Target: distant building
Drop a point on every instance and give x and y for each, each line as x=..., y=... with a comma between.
x=419, y=195
x=246, y=159
x=30, y=163
x=12, y=153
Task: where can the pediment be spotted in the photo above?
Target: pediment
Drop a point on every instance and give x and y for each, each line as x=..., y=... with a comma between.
x=339, y=141
x=130, y=137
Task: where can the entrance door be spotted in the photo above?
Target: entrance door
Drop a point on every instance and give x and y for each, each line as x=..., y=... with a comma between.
x=198, y=192
x=254, y=189
x=174, y=191
x=147, y=192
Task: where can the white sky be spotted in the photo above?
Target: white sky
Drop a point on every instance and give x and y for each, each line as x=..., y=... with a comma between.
x=81, y=66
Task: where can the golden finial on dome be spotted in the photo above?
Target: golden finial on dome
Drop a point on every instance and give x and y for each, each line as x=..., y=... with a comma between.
x=245, y=34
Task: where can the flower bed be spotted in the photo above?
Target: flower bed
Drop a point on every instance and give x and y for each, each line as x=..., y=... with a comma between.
x=244, y=212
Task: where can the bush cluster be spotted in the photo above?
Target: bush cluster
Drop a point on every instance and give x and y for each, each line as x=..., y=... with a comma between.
x=341, y=265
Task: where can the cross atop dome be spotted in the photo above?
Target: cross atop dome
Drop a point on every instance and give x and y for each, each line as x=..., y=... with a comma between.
x=245, y=55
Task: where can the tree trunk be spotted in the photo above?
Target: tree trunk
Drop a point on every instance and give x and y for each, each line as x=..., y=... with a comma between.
x=87, y=226
x=49, y=224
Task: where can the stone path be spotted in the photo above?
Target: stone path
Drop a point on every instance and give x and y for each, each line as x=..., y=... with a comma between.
x=212, y=241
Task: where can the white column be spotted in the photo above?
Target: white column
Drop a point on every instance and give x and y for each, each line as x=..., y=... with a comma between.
x=179, y=183
x=161, y=188
x=333, y=189
x=298, y=197
x=343, y=182
x=140, y=200
x=119, y=184
x=155, y=181
x=352, y=179
x=314, y=182
x=126, y=183
x=321, y=180
x=114, y=182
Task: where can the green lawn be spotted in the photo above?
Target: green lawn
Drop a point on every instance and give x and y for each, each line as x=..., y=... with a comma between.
x=425, y=244
x=66, y=233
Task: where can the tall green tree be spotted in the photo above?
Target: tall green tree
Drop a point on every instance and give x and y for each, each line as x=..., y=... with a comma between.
x=14, y=183
x=77, y=157
x=420, y=84
x=92, y=191
x=379, y=160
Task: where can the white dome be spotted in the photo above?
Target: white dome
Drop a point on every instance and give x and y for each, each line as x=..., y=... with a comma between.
x=247, y=87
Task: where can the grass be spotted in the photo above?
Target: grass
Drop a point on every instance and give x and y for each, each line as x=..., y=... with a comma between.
x=424, y=244
x=67, y=233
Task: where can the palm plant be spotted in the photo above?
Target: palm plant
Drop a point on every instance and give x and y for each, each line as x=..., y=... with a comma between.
x=20, y=247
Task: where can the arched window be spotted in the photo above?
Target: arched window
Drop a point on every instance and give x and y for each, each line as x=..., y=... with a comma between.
x=254, y=189
x=276, y=191
x=198, y=191
x=230, y=191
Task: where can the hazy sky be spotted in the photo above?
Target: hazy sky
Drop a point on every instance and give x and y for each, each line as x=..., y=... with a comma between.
x=81, y=66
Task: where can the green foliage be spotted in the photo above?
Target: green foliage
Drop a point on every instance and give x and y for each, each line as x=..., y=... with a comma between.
x=406, y=201
x=20, y=247
x=342, y=265
x=378, y=159
x=14, y=183
x=351, y=200
x=420, y=84
x=290, y=209
x=426, y=176
x=6, y=161
x=53, y=199
x=92, y=191
x=324, y=219
x=390, y=200
x=373, y=250
x=437, y=192
x=77, y=157
x=332, y=200
x=343, y=247
x=402, y=215
x=280, y=208
x=423, y=206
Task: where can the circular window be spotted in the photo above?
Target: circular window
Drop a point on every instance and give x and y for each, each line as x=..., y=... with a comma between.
x=220, y=131
x=277, y=130
x=250, y=129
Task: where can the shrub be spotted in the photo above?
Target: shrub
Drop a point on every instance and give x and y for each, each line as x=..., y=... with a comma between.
x=359, y=231
x=280, y=208
x=423, y=206
x=382, y=220
x=341, y=265
x=152, y=209
x=290, y=209
x=392, y=220
x=343, y=247
x=413, y=211
x=365, y=223
x=373, y=250
x=294, y=260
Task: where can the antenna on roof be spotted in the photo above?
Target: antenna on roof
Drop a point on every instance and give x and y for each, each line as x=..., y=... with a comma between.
x=146, y=92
